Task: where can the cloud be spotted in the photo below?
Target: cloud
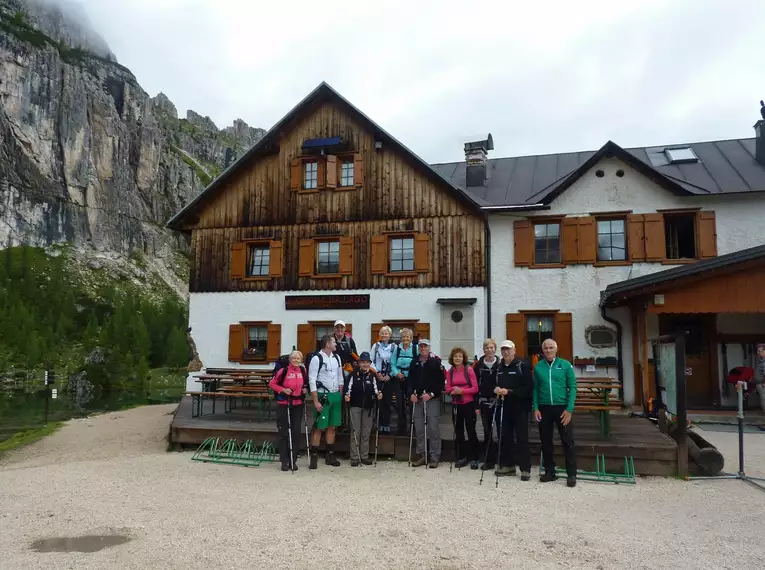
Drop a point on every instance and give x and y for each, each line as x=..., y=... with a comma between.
x=541, y=77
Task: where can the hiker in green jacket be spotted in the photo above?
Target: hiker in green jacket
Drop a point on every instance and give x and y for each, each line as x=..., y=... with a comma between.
x=553, y=401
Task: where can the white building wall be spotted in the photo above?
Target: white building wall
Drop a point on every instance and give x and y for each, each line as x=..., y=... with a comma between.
x=210, y=315
x=576, y=288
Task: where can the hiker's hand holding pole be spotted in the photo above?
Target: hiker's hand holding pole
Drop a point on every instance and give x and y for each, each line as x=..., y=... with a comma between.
x=379, y=395
x=413, y=398
x=425, y=397
x=347, y=398
x=287, y=391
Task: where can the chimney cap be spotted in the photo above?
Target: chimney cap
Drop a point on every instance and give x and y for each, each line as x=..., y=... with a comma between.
x=485, y=142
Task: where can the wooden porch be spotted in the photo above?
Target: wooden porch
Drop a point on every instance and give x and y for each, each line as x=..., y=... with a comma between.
x=654, y=453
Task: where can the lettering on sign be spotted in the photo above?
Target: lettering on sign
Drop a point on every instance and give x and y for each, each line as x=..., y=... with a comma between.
x=316, y=302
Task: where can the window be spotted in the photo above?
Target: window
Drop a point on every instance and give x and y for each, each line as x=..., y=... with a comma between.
x=599, y=336
x=257, y=343
x=611, y=240
x=538, y=329
x=346, y=172
x=320, y=330
x=402, y=254
x=680, y=234
x=328, y=257
x=310, y=175
x=258, y=260
x=546, y=243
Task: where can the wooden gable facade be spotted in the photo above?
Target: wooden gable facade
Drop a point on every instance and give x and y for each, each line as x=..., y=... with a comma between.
x=294, y=218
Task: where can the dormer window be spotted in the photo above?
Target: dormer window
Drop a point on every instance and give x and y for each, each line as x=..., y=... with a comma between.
x=679, y=155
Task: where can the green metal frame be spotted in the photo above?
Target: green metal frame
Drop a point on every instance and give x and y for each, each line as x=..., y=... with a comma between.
x=628, y=477
x=229, y=452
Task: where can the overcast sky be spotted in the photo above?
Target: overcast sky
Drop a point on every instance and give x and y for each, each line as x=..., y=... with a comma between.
x=541, y=76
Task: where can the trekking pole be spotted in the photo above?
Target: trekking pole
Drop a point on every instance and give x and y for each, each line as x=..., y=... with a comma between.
x=499, y=437
x=289, y=430
x=377, y=435
x=488, y=443
x=411, y=433
x=425, y=410
x=305, y=423
x=454, y=437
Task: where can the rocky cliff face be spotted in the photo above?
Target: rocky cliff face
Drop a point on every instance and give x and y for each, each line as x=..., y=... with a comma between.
x=86, y=155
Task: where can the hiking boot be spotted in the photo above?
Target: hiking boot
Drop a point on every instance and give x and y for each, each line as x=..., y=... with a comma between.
x=354, y=463
x=285, y=467
x=367, y=461
x=488, y=466
x=314, y=460
x=419, y=462
x=433, y=464
x=474, y=464
x=547, y=477
x=331, y=459
x=525, y=476
x=571, y=482
x=505, y=470
x=462, y=463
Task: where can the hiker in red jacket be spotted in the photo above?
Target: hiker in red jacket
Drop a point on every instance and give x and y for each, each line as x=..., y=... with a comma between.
x=290, y=384
x=462, y=385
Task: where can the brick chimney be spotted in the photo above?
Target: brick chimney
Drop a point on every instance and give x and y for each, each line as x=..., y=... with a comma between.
x=759, y=143
x=476, y=153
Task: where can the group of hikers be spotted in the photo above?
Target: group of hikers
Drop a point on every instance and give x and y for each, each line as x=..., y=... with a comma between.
x=502, y=389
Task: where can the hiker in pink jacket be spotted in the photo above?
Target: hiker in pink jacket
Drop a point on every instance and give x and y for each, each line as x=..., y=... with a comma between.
x=290, y=384
x=462, y=385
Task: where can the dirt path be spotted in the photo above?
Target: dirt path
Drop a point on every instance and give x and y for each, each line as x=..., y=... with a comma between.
x=111, y=476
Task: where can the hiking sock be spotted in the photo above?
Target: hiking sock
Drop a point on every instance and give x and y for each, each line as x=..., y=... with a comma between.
x=314, y=457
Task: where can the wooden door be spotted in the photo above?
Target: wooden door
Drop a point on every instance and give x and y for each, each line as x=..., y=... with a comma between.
x=699, y=376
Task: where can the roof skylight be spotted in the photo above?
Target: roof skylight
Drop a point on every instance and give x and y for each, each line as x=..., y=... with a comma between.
x=685, y=154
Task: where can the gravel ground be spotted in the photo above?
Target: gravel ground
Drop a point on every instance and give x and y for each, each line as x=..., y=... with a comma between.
x=111, y=475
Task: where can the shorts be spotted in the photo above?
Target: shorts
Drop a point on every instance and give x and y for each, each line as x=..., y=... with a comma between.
x=331, y=413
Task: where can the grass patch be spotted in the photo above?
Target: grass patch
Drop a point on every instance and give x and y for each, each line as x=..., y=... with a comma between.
x=198, y=170
x=26, y=437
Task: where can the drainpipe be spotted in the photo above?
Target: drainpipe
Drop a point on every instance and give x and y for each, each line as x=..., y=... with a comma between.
x=487, y=239
x=620, y=362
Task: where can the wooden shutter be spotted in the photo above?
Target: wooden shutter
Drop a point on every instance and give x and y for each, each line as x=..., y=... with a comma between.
x=422, y=330
x=235, y=342
x=563, y=335
x=358, y=169
x=707, y=235
x=346, y=256
x=516, y=331
x=421, y=253
x=569, y=235
x=305, y=340
x=296, y=174
x=306, y=257
x=238, y=260
x=375, y=332
x=274, y=343
x=588, y=240
x=275, y=260
x=379, y=255
x=321, y=173
x=523, y=236
x=655, y=242
x=636, y=237
x=331, y=171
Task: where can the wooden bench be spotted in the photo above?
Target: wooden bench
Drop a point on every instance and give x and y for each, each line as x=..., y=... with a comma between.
x=595, y=394
x=229, y=399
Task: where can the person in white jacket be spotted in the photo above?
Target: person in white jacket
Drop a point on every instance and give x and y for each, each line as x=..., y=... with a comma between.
x=382, y=353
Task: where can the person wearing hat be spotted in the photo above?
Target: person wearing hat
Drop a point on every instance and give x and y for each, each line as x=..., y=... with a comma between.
x=345, y=345
x=514, y=387
x=426, y=382
x=361, y=393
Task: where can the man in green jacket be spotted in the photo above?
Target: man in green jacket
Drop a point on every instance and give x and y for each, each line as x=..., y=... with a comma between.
x=553, y=401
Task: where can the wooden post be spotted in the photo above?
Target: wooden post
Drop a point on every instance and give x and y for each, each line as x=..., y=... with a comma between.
x=681, y=418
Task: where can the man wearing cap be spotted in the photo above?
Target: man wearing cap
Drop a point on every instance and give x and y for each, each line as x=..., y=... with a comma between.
x=514, y=386
x=426, y=382
x=346, y=346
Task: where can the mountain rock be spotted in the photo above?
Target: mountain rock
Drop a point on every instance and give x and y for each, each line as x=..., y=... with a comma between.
x=86, y=155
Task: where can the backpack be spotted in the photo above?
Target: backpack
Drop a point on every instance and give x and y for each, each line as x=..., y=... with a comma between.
x=283, y=370
x=319, y=354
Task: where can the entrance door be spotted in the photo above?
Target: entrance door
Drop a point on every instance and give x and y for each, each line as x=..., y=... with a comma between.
x=699, y=376
x=457, y=329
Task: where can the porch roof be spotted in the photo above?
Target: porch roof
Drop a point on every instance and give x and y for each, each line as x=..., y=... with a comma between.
x=619, y=293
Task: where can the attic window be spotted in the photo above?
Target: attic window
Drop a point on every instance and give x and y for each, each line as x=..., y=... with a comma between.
x=677, y=155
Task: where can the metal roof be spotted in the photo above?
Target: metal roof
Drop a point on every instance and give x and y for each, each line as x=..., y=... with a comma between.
x=621, y=290
x=726, y=166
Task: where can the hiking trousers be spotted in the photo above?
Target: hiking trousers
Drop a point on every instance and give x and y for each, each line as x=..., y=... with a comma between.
x=465, y=420
x=550, y=418
x=361, y=430
x=434, y=428
x=515, y=437
x=284, y=438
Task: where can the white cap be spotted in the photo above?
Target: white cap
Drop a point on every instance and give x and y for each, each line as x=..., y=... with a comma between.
x=424, y=341
x=339, y=323
x=507, y=344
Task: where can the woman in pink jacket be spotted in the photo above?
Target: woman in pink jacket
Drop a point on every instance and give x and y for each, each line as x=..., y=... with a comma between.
x=290, y=384
x=462, y=385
